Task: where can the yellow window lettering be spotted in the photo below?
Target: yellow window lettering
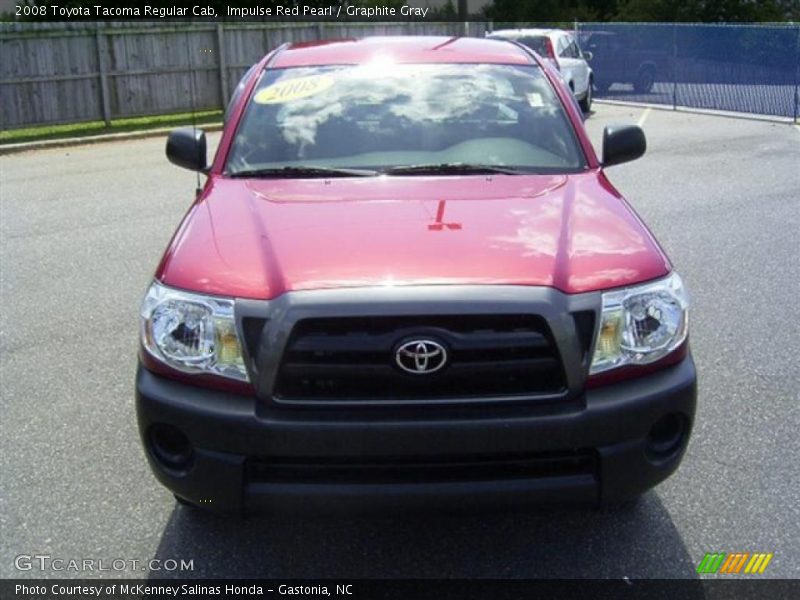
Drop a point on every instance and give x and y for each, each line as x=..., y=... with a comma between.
x=294, y=89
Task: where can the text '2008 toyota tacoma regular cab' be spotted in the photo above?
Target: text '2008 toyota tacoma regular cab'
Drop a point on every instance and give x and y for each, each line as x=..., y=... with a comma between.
x=408, y=282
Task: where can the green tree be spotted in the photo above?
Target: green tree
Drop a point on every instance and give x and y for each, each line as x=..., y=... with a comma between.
x=705, y=11
x=396, y=4
x=550, y=11
x=709, y=11
x=448, y=11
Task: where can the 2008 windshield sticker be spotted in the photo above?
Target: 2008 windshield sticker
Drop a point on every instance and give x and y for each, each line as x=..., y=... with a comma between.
x=293, y=89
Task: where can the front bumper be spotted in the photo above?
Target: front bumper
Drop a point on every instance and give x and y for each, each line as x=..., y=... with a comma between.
x=593, y=450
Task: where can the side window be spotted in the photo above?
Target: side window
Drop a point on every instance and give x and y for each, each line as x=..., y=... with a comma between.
x=237, y=92
x=574, y=50
x=571, y=50
x=537, y=44
x=562, y=47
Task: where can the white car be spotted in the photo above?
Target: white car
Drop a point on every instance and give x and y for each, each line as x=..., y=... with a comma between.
x=558, y=46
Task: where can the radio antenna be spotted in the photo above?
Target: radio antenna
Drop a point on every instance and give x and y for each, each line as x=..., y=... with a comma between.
x=198, y=190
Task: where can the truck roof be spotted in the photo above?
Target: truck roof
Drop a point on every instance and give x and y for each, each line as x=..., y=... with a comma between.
x=401, y=49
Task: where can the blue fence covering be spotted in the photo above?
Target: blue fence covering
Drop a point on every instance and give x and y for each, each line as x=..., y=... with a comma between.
x=739, y=68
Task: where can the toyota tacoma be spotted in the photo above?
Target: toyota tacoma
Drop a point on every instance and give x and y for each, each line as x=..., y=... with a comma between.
x=408, y=282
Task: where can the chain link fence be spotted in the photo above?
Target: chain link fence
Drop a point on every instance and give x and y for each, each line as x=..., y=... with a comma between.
x=64, y=73
x=739, y=68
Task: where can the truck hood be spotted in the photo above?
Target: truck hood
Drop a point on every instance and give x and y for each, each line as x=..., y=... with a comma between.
x=260, y=238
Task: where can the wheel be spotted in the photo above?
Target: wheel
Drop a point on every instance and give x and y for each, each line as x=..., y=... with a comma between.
x=186, y=503
x=644, y=81
x=202, y=510
x=586, y=103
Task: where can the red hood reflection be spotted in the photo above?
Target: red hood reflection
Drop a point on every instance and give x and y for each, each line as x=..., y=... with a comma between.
x=261, y=238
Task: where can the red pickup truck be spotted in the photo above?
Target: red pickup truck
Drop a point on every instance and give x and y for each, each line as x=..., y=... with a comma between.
x=407, y=282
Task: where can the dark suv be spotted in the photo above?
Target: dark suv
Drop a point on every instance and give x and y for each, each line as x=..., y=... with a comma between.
x=628, y=59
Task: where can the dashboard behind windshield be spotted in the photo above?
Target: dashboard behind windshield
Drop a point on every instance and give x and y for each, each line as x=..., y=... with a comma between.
x=386, y=116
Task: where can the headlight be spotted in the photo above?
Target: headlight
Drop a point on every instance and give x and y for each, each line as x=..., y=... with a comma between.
x=192, y=333
x=640, y=325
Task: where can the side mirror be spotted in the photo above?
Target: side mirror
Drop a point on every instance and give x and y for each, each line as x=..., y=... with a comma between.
x=588, y=56
x=186, y=147
x=622, y=143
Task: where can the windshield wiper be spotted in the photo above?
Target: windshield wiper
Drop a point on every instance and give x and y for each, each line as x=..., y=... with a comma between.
x=450, y=169
x=290, y=172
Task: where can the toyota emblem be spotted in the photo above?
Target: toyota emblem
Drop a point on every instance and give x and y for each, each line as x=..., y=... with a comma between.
x=421, y=357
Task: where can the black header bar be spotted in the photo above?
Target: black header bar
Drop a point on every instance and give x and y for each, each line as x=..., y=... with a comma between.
x=412, y=589
x=215, y=10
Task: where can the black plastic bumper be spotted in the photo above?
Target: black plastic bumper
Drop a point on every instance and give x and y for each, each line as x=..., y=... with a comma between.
x=599, y=449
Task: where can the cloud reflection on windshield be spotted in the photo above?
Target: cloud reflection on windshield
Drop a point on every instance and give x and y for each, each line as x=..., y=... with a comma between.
x=417, y=93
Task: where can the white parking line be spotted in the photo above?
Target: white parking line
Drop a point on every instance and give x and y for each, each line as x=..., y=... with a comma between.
x=644, y=116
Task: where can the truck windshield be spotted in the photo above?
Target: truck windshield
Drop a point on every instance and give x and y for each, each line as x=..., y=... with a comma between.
x=383, y=117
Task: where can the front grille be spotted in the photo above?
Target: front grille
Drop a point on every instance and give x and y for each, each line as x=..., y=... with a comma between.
x=490, y=356
x=423, y=470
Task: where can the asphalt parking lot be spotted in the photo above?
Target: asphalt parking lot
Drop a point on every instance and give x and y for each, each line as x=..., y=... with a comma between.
x=82, y=229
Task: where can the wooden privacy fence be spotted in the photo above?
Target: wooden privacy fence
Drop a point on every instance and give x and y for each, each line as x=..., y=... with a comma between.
x=53, y=73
